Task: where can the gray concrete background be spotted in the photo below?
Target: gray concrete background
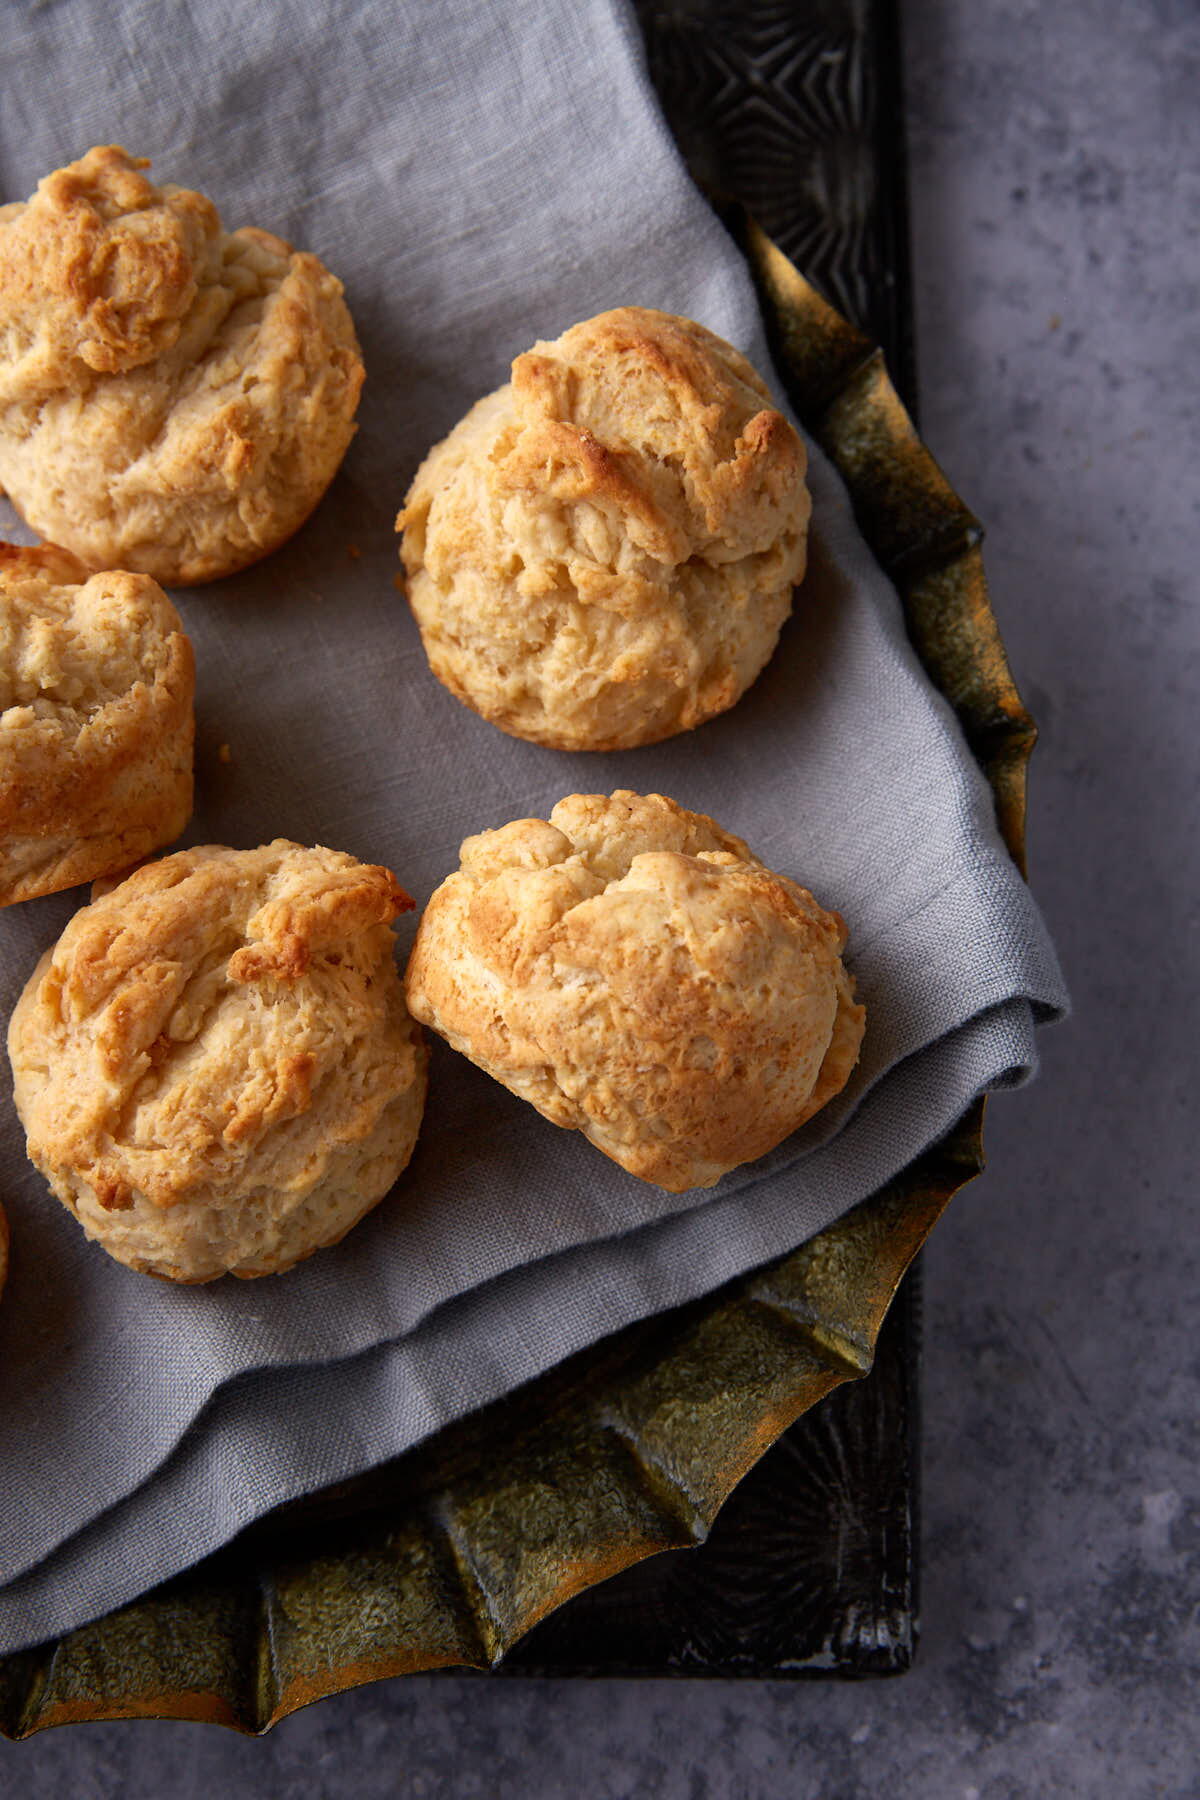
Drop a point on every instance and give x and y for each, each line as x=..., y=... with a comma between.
x=1056, y=203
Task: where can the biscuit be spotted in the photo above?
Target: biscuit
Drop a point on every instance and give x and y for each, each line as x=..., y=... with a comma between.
x=637, y=974
x=96, y=722
x=602, y=553
x=214, y=1065
x=174, y=398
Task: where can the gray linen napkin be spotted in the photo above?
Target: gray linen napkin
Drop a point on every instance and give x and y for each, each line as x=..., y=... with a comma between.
x=479, y=177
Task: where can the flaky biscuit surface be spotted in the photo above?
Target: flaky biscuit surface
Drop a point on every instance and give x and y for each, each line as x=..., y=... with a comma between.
x=97, y=680
x=174, y=398
x=602, y=553
x=636, y=973
x=215, y=1066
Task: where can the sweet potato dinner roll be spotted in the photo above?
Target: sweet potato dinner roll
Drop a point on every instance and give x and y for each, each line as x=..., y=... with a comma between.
x=603, y=552
x=174, y=398
x=214, y=1065
x=636, y=973
x=96, y=721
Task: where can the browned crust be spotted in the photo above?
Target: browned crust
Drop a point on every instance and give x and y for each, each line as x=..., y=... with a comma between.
x=84, y=793
x=120, y=266
x=637, y=974
x=150, y=418
x=215, y=1067
x=603, y=552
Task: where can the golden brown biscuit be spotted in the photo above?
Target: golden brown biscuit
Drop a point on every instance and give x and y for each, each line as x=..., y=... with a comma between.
x=174, y=398
x=96, y=723
x=215, y=1066
x=602, y=553
x=636, y=973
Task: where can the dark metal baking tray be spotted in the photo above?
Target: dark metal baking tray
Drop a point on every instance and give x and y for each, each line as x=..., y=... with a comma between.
x=490, y=1544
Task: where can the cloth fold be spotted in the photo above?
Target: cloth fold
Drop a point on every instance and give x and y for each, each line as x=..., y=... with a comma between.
x=476, y=186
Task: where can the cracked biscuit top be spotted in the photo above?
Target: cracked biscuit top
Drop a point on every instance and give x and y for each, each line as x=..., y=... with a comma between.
x=636, y=973
x=215, y=1066
x=602, y=553
x=174, y=398
x=96, y=687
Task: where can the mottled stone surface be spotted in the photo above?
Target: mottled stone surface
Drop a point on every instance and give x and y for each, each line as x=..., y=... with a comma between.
x=1054, y=186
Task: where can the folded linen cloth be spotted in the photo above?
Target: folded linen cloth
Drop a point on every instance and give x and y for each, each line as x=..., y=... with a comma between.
x=479, y=178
